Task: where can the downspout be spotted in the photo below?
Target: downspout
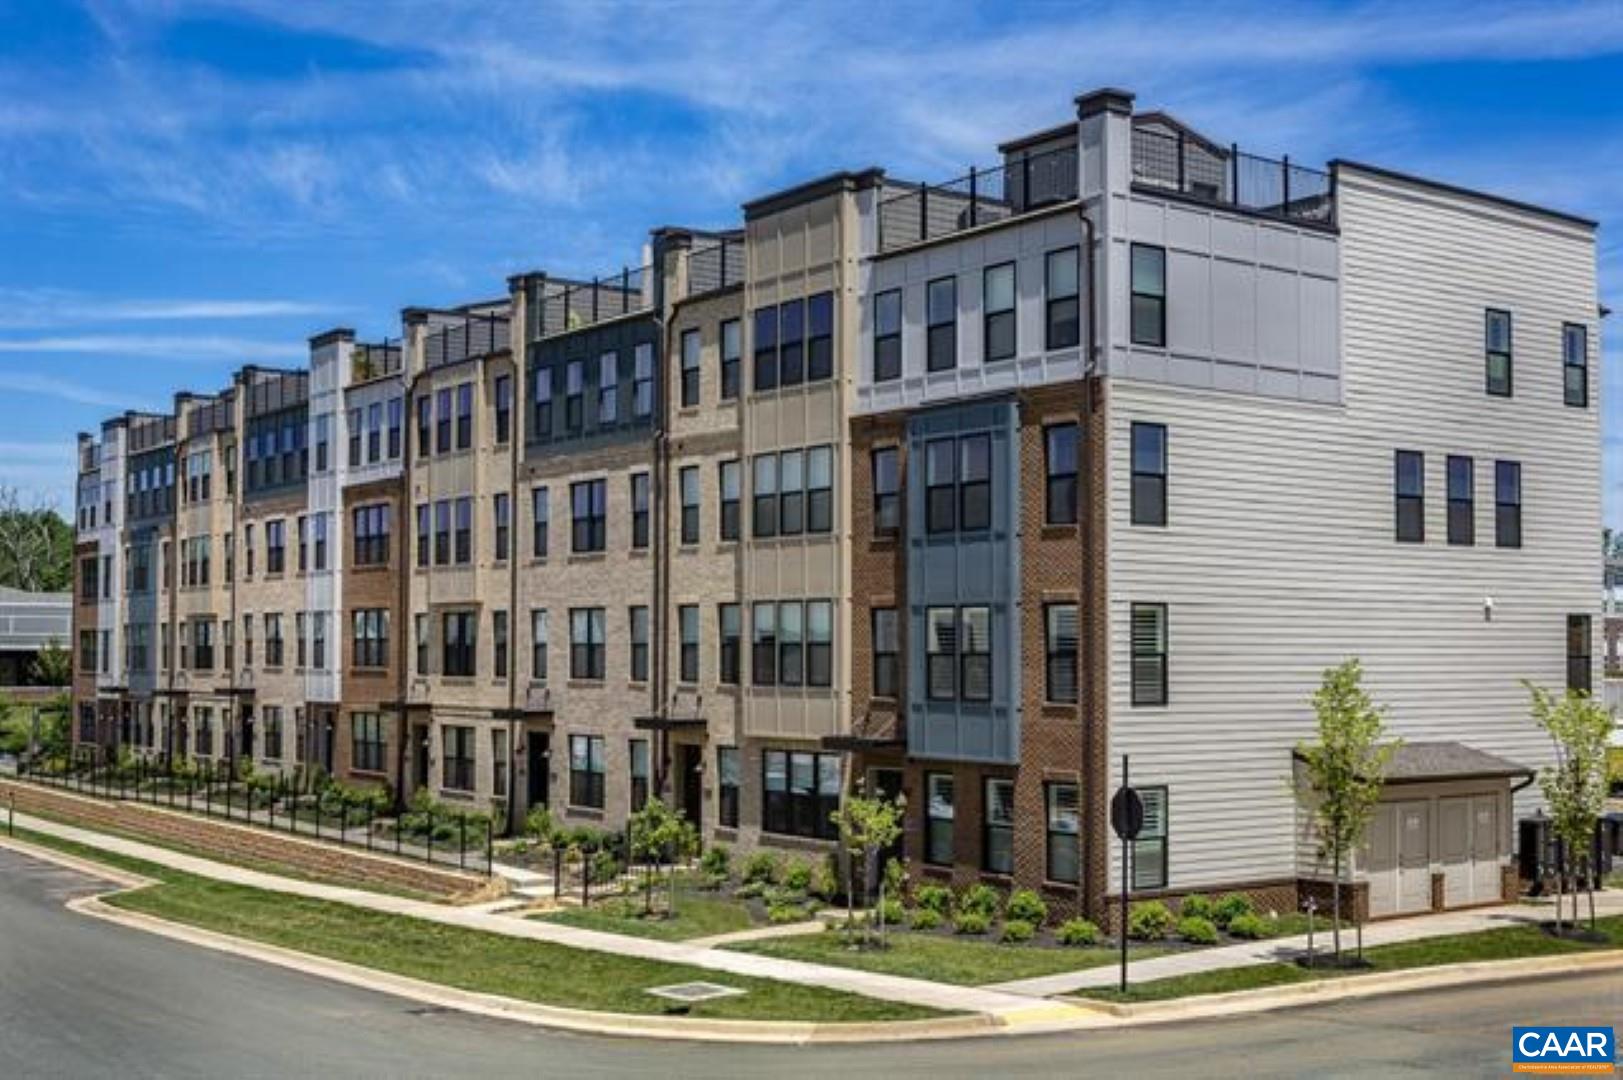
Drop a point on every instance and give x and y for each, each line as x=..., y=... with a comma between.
x=407, y=522
x=514, y=443
x=661, y=539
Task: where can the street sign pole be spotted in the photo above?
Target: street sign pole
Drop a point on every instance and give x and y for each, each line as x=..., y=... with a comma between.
x=1126, y=878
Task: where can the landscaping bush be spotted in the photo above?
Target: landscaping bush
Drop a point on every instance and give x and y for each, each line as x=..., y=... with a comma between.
x=1231, y=906
x=1077, y=932
x=714, y=864
x=1198, y=907
x=970, y=922
x=934, y=898
x=1149, y=921
x=779, y=914
x=893, y=911
x=925, y=919
x=825, y=882
x=750, y=890
x=1248, y=926
x=1197, y=931
x=538, y=823
x=982, y=900
x=798, y=876
x=1016, y=931
x=763, y=867
x=1026, y=906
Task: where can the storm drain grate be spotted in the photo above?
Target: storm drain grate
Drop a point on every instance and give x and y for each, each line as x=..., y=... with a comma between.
x=692, y=993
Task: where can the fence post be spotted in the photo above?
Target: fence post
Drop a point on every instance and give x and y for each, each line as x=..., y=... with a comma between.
x=1285, y=177
x=490, y=850
x=585, y=878
x=274, y=793
x=228, y=781
x=974, y=201
x=343, y=824
x=399, y=827
x=462, y=842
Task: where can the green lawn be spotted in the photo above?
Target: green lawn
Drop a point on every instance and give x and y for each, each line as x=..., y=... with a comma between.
x=962, y=961
x=467, y=959
x=1505, y=943
x=697, y=915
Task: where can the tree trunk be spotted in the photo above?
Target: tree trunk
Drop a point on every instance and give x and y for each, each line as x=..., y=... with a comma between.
x=1560, y=891
x=1335, y=906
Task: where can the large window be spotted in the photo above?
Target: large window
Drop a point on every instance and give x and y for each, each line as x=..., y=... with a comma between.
x=732, y=488
x=886, y=653
x=887, y=336
x=997, y=844
x=819, y=642
x=543, y=402
x=464, y=531
x=941, y=653
x=458, y=757
x=442, y=532
x=586, y=771
x=639, y=773
x=374, y=432
x=802, y=791
x=586, y=643
x=791, y=641
x=366, y=742
x=688, y=479
x=574, y=395
x=458, y=643
x=1580, y=654
x=1507, y=503
x=731, y=618
x=690, y=368
x=1060, y=649
x=275, y=546
x=588, y=524
x=502, y=513
x=538, y=645
x=958, y=653
x=1461, y=500
x=504, y=409
x=820, y=489
x=421, y=639
x=371, y=526
x=1497, y=350
x=820, y=337
x=1150, y=849
x=1409, y=494
x=369, y=640
x=1574, y=365
x=464, y=416
x=792, y=343
x=887, y=491
x=794, y=492
x=687, y=620
x=1149, y=295
x=425, y=424
x=998, y=317
x=729, y=775
x=940, y=486
x=1064, y=831
x=938, y=815
x=271, y=727
x=273, y=641
x=639, y=510
x=941, y=324
x=638, y=617
x=1059, y=463
x=608, y=389
x=732, y=351
x=442, y=421
x=540, y=518
x=765, y=492
x=1149, y=463
x=1062, y=271
x=1149, y=654
x=766, y=348
x=764, y=645
x=974, y=482
x=424, y=533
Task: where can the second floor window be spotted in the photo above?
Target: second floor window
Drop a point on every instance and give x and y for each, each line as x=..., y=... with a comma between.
x=499, y=642
x=1059, y=460
x=504, y=409
x=1409, y=484
x=731, y=618
x=732, y=351
x=538, y=645
x=1580, y=654
x=1496, y=347
x=1507, y=503
x=941, y=324
x=687, y=621
x=371, y=527
x=690, y=368
x=588, y=526
x=502, y=514
x=689, y=481
x=442, y=421
x=459, y=644
x=1461, y=500
x=639, y=510
x=766, y=348
x=464, y=416
x=275, y=546
x=273, y=641
x=887, y=491
x=608, y=389
x=639, y=643
x=1149, y=295
x=369, y=642
x=887, y=336
x=1148, y=630
x=464, y=531
x=1060, y=649
x=540, y=517
x=886, y=653
x=999, y=321
x=1575, y=365
x=1149, y=493
x=586, y=643
x=1064, y=313
x=731, y=483
x=958, y=653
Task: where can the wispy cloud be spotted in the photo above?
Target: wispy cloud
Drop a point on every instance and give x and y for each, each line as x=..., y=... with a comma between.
x=79, y=393
x=35, y=308
x=167, y=347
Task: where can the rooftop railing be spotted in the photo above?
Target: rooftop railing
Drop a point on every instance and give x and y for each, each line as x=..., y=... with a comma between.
x=564, y=306
x=1227, y=177
x=375, y=361
x=715, y=265
x=930, y=211
x=468, y=337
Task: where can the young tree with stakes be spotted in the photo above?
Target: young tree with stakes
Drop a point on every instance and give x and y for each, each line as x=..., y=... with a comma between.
x=867, y=826
x=1575, y=785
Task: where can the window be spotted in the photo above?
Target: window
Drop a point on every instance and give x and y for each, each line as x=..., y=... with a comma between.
x=366, y=741
x=689, y=477
x=1059, y=448
x=442, y=421
x=791, y=493
x=371, y=527
x=458, y=771
x=586, y=643
x=543, y=402
x=323, y=443
x=731, y=491
x=420, y=632
x=540, y=516
x=766, y=495
x=1461, y=500
x=819, y=643
x=356, y=430
x=940, y=485
x=425, y=417
x=887, y=336
x=608, y=389
x=271, y=715
x=975, y=654
x=504, y=409
x=1061, y=274
x=728, y=775
x=642, y=381
x=1149, y=314
x=502, y=511
x=464, y=416
x=792, y=343
x=464, y=531
x=732, y=350
x=820, y=489
x=887, y=487
x=275, y=547
x=273, y=641
x=498, y=763
x=997, y=843
x=820, y=337
x=538, y=645
x=690, y=368
x=802, y=791
x=588, y=526
x=886, y=653
x=369, y=644
x=639, y=643
x=1149, y=645
x=423, y=544
x=1064, y=830
x=998, y=301
x=499, y=643
x=941, y=318
x=396, y=422
x=1059, y=646
x=639, y=774
x=1496, y=345
x=1507, y=504
x=574, y=395
x=1149, y=494
x=586, y=773
x=1574, y=365
x=458, y=644
x=731, y=618
x=766, y=348
x=938, y=817
x=975, y=482
x=764, y=653
x=1580, y=654
x=1150, y=849
x=374, y=432
x=791, y=639
x=687, y=619
x=302, y=531
x=442, y=533
x=639, y=510
x=941, y=653
x=1409, y=488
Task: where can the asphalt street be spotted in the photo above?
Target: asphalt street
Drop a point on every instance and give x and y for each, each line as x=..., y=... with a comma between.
x=85, y=999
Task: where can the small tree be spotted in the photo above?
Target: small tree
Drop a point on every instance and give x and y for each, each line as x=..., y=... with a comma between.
x=1575, y=785
x=655, y=831
x=1345, y=770
x=52, y=666
x=867, y=827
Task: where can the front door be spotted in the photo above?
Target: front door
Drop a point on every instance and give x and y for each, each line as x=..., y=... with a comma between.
x=248, y=734
x=690, y=768
x=419, y=742
x=537, y=755
x=1414, y=857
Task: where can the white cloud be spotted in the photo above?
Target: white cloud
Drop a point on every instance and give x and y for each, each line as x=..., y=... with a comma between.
x=78, y=393
x=34, y=308
x=164, y=347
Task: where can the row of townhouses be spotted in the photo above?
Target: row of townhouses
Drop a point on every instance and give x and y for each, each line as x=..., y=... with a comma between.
x=962, y=491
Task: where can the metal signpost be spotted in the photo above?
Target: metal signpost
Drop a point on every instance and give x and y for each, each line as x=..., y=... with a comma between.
x=1127, y=818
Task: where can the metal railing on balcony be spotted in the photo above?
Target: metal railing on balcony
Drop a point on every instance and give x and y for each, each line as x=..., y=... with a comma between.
x=715, y=265
x=564, y=306
x=469, y=336
x=1227, y=177
x=927, y=212
x=375, y=361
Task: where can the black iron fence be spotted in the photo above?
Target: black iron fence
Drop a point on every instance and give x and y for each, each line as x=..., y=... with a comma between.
x=715, y=265
x=563, y=306
x=375, y=361
x=469, y=336
x=981, y=197
x=1228, y=177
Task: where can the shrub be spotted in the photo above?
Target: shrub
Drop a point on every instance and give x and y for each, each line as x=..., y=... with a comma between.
x=825, y=882
x=605, y=867
x=750, y=890
x=1077, y=932
x=1026, y=906
x=970, y=922
x=763, y=867
x=539, y=824
x=1249, y=926
x=716, y=862
x=1198, y=907
x=1016, y=931
x=925, y=919
x=935, y=898
x=982, y=900
x=893, y=912
x=798, y=877
x=1197, y=931
x=1149, y=921
x=779, y=914
x=1231, y=906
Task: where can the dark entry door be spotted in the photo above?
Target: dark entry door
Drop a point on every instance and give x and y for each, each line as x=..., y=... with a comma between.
x=887, y=785
x=689, y=760
x=537, y=758
x=248, y=734
x=419, y=741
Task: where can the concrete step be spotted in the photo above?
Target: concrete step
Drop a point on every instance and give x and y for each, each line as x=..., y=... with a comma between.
x=518, y=876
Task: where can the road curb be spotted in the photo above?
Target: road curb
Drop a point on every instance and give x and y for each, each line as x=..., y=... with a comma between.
x=101, y=871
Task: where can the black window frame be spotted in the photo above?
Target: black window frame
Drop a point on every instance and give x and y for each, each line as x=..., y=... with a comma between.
x=885, y=631
x=1149, y=458
x=1151, y=301
x=765, y=374
x=732, y=642
x=763, y=647
x=1461, y=477
x=763, y=504
x=887, y=336
x=995, y=320
x=731, y=508
x=940, y=829
x=688, y=488
x=887, y=490
x=688, y=632
x=588, y=520
x=501, y=510
x=1575, y=365
x=1507, y=504
x=1493, y=384
x=976, y=512
x=640, y=498
x=819, y=337
x=1060, y=481
x=941, y=333
x=587, y=655
x=1062, y=322
x=503, y=408
x=1409, y=498
x=796, y=811
x=638, y=626
x=459, y=644
x=690, y=366
x=997, y=832
x=1157, y=659
x=1580, y=654
x=729, y=775
x=540, y=521
x=732, y=357
x=940, y=492
x=792, y=342
x=587, y=772
x=367, y=742
x=500, y=643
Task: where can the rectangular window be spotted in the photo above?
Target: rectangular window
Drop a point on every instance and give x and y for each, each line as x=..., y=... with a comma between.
x=886, y=653
x=975, y=482
x=1461, y=500
x=458, y=644
x=499, y=763
x=887, y=491
x=273, y=733
x=421, y=636
x=941, y=324
x=998, y=301
x=791, y=343
x=1149, y=654
x=732, y=484
x=423, y=544
x=820, y=337
x=802, y=791
x=356, y=430
x=302, y=529
x=504, y=409
x=273, y=641
x=1575, y=365
x=728, y=777
x=458, y=747
x=371, y=539
x=1409, y=493
x=791, y=493
x=731, y=618
x=1060, y=648
x=1149, y=494
x=766, y=348
x=442, y=421
x=766, y=495
x=275, y=547
x=687, y=619
x=1507, y=504
x=369, y=638
x=975, y=654
x=764, y=653
x=543, y=402
x=442, y=533
x=1149, y=295
x=1580, y=654
x=940, y=485
x=639, y=510
x=1064, y=832
x=588, y=527
x=819, y=643
x=397, y=420
x=502, y=512
x=575, y=395
x=639, y=774
x=1059, y=462
x=941, y=653
x=608, y=389
x=997, y=847
x=374, y=432
x=464, y=416
x=732, y=352
x=690, y=368
x=464, y=531
x=887, y=336
x=538, y=645
x=938, y=816
x=1497, y=347
x=586, y=643
x=586, y=771
x=425, y=419
x=499, y=643
x=323, y=443
x=689, y=481
x=1062, y=272
x=540, y=517
x=638, y=617
x=820, y=489
x=1150, y=849
x=791, y=644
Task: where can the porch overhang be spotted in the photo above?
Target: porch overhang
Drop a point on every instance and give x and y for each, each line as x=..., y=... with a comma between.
x=669, y=723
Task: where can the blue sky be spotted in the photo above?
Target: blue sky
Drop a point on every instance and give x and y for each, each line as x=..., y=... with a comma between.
x=186, y=187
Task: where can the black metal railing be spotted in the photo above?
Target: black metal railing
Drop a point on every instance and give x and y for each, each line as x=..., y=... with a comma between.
x=716, y=265
x=369, y=362
x=564, y=306
x=1228, y=177
x=470, y=336
x=983, y=196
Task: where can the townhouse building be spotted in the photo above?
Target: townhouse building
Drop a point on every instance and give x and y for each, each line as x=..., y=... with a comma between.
x=974, y=493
